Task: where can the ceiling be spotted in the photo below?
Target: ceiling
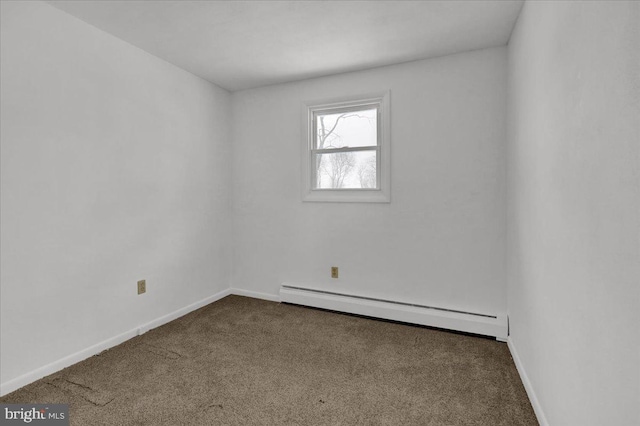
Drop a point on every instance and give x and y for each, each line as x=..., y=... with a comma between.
x=244, y=44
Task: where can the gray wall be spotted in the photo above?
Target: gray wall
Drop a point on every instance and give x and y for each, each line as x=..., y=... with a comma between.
x=441, y=241
x=574, y=209
x=115, y=168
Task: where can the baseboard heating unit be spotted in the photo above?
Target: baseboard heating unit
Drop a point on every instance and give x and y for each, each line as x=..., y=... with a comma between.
x=433, y=316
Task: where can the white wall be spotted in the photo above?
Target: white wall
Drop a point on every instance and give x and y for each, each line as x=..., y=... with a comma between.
x=573, y=208
x=441, y=241
x=115, y=167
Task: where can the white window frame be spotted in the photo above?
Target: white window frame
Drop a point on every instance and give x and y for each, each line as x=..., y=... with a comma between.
x=381, y=194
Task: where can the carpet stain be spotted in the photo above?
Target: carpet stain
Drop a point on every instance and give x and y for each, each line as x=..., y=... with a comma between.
x=93, y=396
x=165, y=353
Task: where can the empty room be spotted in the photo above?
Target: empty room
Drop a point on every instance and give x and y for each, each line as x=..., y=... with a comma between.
x=320, y=212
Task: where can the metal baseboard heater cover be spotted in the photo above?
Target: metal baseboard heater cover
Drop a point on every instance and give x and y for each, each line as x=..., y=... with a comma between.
x=433, y=316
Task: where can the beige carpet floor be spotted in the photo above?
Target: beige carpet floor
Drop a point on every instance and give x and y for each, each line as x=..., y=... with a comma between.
x=242, y=361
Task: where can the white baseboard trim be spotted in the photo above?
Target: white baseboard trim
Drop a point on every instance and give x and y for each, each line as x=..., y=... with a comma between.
x=181, y=312
x=38, y=373
x=487, y=325
x=255, y=294
x=15, y=384
x=535, y=403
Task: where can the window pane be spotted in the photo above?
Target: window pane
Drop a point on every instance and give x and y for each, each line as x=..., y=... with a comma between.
x=346, y=170
x=348, y=129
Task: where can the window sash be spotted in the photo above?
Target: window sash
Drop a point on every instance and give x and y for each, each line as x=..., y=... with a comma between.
x=342, y=110
x=314, y=171
x=346, y=149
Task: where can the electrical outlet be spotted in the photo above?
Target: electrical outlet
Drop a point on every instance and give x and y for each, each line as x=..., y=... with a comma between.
x=334, y=272
x=142, y=286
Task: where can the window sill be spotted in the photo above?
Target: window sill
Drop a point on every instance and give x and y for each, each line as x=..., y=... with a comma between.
x=346, y=196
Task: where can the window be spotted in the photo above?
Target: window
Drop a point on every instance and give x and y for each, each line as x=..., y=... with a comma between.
x=347, y=150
